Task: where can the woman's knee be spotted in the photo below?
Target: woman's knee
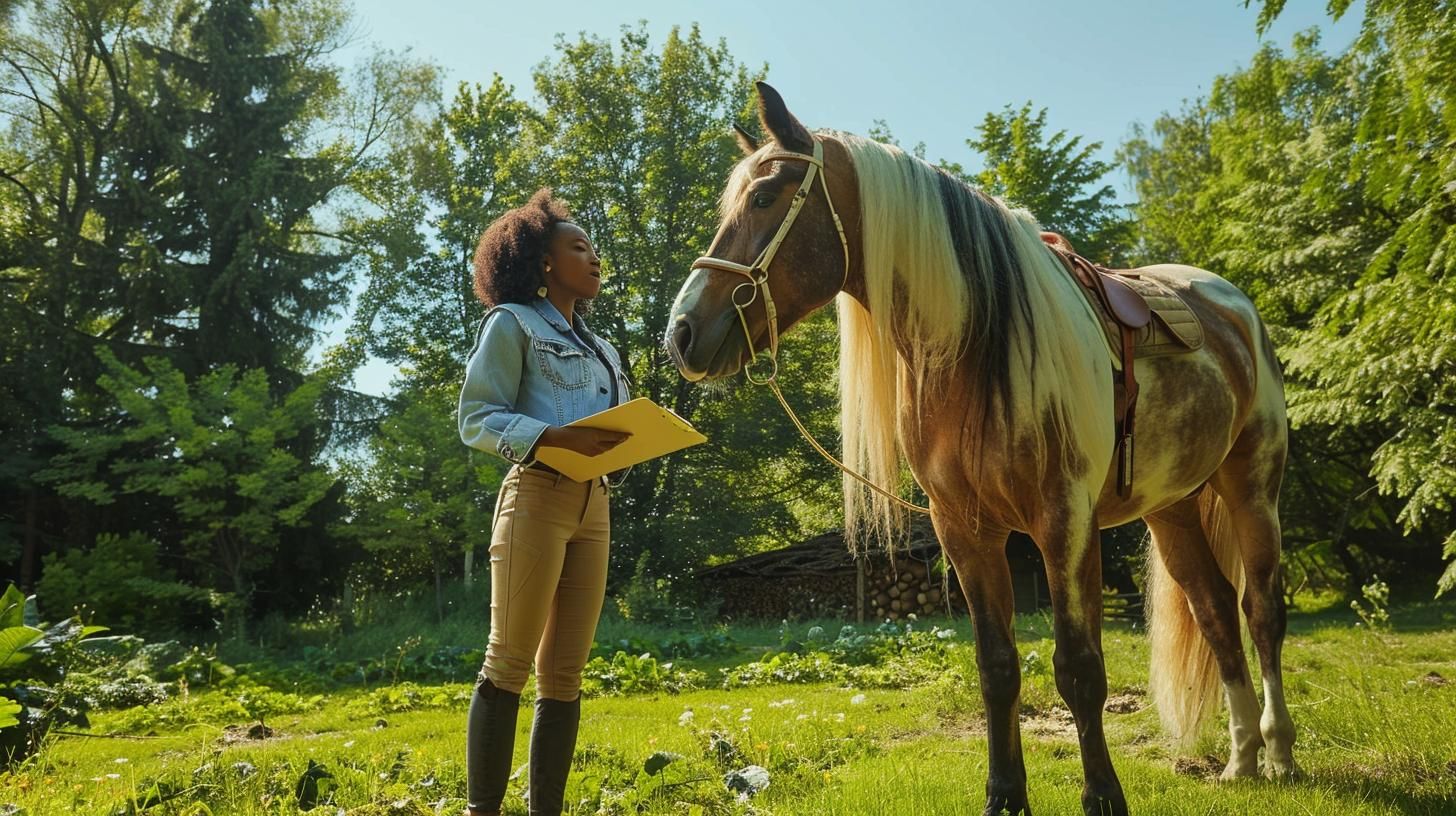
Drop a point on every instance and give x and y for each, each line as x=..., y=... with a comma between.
x=563, y=686
x=506, y=673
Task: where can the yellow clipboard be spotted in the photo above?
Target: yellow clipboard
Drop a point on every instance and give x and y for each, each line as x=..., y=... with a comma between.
x=655, y=431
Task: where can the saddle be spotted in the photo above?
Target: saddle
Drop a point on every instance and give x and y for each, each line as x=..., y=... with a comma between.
x=1140, y=317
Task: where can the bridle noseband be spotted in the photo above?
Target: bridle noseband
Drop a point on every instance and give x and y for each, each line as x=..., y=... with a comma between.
x=757, y=272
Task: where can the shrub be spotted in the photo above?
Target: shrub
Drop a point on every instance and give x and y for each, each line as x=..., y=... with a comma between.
x=34, y=663
x=120, y=580
x=647, y=599
x=627, y=673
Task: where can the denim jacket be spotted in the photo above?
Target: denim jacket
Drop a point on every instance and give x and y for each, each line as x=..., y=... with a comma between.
x=528, y=372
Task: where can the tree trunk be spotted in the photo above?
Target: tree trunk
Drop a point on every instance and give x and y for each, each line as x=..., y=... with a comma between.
x=27, y=557
x=346, y=609
x=439, y=593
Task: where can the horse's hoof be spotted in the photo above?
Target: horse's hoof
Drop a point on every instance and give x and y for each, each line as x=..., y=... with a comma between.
x=1239, y=770
x=1104, y=806
x=1282, y=770
x=1006, y=806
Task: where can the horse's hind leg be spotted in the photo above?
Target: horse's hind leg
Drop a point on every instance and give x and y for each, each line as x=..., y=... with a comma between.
x=979, y=556
x=1183, y=668
x=1248, y=487
x=1069, y=541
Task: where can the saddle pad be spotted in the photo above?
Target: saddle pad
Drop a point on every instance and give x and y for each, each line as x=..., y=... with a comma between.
x=1174, y=328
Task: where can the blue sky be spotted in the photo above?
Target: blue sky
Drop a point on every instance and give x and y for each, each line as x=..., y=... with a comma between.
x=932, y=70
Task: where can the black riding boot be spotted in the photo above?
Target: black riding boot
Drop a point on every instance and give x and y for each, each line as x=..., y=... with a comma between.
x=490, y=738
x=553, y=741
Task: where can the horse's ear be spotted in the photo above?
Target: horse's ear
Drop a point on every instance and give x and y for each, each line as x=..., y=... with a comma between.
x=777, y=120
x=745, y=140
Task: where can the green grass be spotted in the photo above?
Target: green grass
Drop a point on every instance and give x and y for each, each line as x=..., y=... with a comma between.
x=1377, y=735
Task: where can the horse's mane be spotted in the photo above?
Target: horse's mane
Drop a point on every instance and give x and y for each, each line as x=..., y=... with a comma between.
x=963, y=284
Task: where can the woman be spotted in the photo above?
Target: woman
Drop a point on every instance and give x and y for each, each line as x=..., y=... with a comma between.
x=536, y=367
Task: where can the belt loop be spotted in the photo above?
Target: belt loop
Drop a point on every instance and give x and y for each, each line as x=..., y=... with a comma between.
x=557, y=483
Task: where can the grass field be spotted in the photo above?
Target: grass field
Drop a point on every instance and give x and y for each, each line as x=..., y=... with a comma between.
x=1376, y=713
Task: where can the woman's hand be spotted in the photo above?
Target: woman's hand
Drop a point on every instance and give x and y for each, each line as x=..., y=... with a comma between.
x=585, y=441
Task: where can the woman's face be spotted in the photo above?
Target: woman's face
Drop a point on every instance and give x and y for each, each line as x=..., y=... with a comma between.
x=572, y=265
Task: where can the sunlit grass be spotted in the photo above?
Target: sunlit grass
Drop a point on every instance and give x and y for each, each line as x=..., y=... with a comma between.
x=1376, y=713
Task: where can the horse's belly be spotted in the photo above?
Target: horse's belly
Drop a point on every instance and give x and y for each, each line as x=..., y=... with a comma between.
x=1183, y=431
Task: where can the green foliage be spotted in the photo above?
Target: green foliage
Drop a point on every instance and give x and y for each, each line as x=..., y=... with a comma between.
x=648, y=599
x=167, y=165
x=676, y=645
x=1377, y=597
x=213, y=450
x=34, y=662
x=242, y=700
x=420, y=506
x=627, y=673
x=120, y=580
x=1384, y=350
x=1050, y=175
x=887, y=656
x=1320, y=184
x=405, y=697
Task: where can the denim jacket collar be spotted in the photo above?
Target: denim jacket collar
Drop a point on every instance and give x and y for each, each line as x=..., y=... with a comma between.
x=549, y=312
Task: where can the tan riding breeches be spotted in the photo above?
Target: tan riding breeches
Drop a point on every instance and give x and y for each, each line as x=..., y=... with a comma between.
x=548, y=577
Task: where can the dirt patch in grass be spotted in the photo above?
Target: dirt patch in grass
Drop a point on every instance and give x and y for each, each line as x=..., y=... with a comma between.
x=1124, y=703
x=257, y=732
x=1055, y=723
x=1207, y=766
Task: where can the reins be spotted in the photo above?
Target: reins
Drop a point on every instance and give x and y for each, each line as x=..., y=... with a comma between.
x=757, y=274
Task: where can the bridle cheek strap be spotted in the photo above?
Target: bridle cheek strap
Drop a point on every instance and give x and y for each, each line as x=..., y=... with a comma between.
x=757, y=273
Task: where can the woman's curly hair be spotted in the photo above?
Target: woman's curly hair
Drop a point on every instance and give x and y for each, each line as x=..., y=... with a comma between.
x=508, y=257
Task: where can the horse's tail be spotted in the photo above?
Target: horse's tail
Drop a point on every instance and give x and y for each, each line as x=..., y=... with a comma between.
x=1184, y=680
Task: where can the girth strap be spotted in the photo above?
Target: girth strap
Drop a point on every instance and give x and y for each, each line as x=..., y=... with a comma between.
x=1130, y=311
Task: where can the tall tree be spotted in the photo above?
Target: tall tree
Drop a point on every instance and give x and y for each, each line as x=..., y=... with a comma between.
x=1274, y=182
x=213, y=452
x=419, y=217
x=164, y=195
x=1055, y=176
x=236, y=102
x=639, y=141
x=420, y=507
x=1385, y=350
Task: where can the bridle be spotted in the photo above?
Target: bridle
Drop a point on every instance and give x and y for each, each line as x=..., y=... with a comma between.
x=757, y=274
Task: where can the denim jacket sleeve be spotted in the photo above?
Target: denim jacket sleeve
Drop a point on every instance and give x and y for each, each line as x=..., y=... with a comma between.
x=488, y=418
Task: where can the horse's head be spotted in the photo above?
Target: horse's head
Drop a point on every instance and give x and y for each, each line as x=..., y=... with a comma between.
x=780, y=252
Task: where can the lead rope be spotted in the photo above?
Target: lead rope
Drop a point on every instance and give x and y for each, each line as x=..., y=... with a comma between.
x=773, y=384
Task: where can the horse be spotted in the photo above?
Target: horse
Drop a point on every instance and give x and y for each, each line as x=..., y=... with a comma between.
x=969, y=354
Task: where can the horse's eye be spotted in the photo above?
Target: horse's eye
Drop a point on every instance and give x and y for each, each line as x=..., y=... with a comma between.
x=762, y=200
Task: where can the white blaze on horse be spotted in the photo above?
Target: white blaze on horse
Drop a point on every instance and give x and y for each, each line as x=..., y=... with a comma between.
x=969, y=351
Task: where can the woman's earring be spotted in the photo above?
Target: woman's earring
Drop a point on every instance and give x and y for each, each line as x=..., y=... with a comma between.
x=541, y=292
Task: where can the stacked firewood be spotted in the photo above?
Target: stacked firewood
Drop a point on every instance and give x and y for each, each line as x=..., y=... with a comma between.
x=905, y=588
x=794, y=596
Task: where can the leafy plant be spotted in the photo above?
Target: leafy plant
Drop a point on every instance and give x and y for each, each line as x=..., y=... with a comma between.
x=121, y=580
x=1377, y=596
x=34, y=661
x=627, y=673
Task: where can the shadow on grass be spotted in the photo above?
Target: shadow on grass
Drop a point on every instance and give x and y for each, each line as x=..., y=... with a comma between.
x=1363, y=788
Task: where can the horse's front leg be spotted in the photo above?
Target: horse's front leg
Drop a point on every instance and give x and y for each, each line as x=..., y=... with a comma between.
x=1072, y=549
x=985, y=577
